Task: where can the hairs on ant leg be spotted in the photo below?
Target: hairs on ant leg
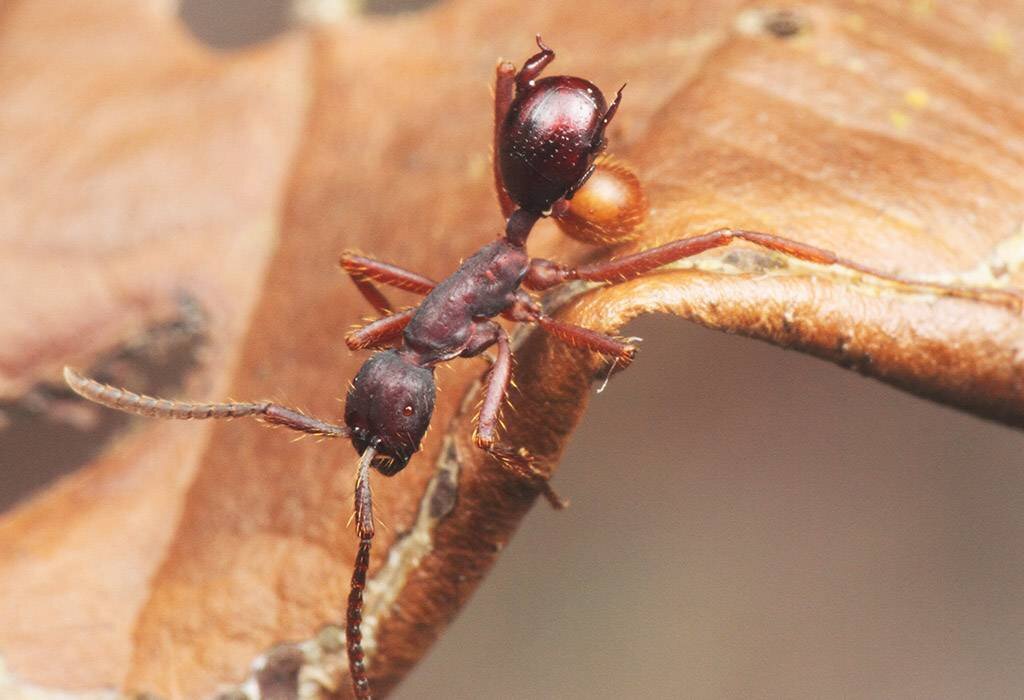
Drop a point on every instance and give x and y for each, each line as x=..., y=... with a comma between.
x=548, y=135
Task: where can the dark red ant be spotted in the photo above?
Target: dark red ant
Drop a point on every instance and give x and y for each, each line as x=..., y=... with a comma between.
x=548, y=133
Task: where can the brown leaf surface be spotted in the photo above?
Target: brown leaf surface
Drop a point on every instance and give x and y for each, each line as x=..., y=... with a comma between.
x=891, y=133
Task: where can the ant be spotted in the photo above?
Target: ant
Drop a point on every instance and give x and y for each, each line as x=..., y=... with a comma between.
x=548, y=134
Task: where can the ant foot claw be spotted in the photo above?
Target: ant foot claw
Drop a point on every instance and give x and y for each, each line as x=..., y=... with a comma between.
x=521, y=463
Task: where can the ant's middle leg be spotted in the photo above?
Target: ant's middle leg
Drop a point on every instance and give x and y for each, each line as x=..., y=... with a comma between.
x=365, y=271
x=544, y=274
x=485, y=436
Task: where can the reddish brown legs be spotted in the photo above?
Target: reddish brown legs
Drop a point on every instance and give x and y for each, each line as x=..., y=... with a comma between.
x=596, y=146
x=504, y=90
x=579, y=337
x=130, y=402
x=598, y=142
x=534, y=65
x=381, y=332
x=544, y=274
x=354, y=615
x=485, y=436
x=506, y=82
x=526, y=311
x=365, y=271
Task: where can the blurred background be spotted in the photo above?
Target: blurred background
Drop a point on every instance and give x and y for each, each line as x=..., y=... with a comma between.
x=745, y=522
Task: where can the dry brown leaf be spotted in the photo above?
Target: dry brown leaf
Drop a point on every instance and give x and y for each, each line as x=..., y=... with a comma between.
x=889, y=133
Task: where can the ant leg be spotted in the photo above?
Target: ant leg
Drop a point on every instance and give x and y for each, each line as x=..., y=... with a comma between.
x=380, y=332
x=580, y=337
x=485, y=437
x=354, y=613
x=130, y=402
x=598, y=143
x=504, y=91
x=574, y=189
x=365, y=271
x=525, y=311
x=506, y=82
x=544, y=274
x=534, y=65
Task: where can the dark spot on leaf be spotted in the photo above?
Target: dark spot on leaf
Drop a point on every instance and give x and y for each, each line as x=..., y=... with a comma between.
x=394, y=7
x=445, y=492
x=278, y=679
x=232, y=24
x=784, y=24
x=231, y=695
x=49, y=431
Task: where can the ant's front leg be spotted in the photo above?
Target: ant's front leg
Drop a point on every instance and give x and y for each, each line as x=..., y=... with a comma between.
x=130, y=402
x=504, y=92
x=365, y=271
x=381, y=332
x=544, y=274
x=519, y=462
x=506, y=82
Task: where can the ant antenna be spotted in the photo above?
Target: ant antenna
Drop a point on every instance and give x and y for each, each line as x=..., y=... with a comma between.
x=354, y=617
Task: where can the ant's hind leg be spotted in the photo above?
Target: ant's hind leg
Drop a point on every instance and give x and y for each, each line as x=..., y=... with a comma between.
x=485, y=437
x=130, y=402
x=365, y=271
x=544, y=274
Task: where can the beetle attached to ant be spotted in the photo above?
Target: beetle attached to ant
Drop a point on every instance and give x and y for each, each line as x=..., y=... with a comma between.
x=547, y=136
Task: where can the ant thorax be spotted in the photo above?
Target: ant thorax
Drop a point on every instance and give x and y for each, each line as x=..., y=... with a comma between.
x=444, y=326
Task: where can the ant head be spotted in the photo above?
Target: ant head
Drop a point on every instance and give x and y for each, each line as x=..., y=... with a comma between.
x=389, y=407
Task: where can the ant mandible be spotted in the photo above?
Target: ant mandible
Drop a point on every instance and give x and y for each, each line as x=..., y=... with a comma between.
x=547, y=136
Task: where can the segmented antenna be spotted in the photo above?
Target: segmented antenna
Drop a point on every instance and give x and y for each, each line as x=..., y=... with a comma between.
x=354, y=617
x=140, y=404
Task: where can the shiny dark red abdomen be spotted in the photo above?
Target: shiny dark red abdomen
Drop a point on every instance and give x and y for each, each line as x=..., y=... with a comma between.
x=548, y=140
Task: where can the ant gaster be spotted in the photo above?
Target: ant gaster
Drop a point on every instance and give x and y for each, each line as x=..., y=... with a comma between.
x=548, y=134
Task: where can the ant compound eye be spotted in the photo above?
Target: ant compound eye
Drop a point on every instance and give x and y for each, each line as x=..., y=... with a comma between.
x=609, y=208
x=407, y=411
